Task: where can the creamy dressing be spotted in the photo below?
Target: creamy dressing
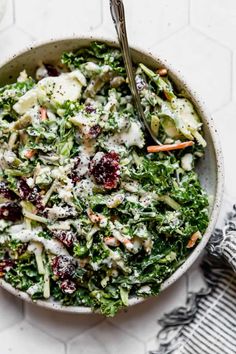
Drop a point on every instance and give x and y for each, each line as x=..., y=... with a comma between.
x=60, y=225
x=59, y=212
x=65, y=191
x=65, y=194
x=84, y=122
x=34, y=114
x=30, y=182
x=53, y=246
x=27, y=101
x=35, y=247
x=61, y=171
x=132, y=137
x=115, y=200
x=9, y=156
x=52, y=90
x=60, y=89
x=36, y=288
x=187, y=162
x=132, y=198
x=84, y=188
x=84, y=156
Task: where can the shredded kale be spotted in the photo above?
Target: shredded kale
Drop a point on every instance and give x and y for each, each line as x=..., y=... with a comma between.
x=9, y=95
x=97, y=220
x=98, y=53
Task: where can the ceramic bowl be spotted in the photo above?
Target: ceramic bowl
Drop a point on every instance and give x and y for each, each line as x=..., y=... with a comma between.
x=210, y=167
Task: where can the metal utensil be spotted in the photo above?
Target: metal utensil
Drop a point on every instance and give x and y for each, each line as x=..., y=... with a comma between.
x=118, y=17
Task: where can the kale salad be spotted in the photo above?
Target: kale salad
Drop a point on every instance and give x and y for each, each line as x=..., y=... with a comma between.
x=91, y=213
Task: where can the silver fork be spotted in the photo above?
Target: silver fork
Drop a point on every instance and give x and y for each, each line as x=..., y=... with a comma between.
x=118, y=17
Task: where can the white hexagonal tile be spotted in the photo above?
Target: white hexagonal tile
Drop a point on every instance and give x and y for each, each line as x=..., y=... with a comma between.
x=14, y=40
x=234, y=77
x=226, y=208
x=152, y=344
x=53, y=323
x=195, y=278
x=10, y=310
x=3, y=5
x=225, y=120
x=204, y=64
x=141, y=320
x=55, y=17
x=105, y=339
x=103, y=32
x=216, y=19
x=150, y=21
x=7, y=19
x=24, y=339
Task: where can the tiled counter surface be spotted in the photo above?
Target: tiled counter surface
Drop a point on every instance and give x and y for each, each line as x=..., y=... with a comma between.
x=198, y=38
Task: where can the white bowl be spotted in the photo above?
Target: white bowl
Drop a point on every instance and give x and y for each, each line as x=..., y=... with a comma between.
x=210, y=167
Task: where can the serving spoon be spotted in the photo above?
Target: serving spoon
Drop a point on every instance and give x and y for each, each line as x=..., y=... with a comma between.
x=118, y=16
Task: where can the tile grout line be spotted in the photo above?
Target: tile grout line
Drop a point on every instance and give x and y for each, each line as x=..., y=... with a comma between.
x=164, y=39
x=219, y=43
x=27, y=320
x=102, y=11
x=228, y=102
x=119, y=328
x=31, y=37
x=232, y=69
x=65, y=348
x=86, y=330
x=14, y=11
x=189, y=12
x=101, y=18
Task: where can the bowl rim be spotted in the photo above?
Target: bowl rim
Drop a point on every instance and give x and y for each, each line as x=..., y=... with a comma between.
x=53, y=305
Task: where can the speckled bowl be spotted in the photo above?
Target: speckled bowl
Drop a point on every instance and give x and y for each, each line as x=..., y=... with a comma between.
x=210, y=167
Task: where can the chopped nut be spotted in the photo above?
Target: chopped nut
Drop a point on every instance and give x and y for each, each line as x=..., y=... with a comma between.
x=94, y=218
x=193, y=239
x=162, y=71
x=117, y=81
x=23, y=122
x=111, y=241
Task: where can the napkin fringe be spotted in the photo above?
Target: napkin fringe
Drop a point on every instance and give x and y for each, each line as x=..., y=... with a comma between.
x=171, y=336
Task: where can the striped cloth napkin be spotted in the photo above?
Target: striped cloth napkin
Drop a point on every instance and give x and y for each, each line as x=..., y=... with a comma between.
x=207, y=324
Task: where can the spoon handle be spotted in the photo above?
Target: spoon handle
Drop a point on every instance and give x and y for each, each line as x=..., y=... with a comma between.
x=118, y=16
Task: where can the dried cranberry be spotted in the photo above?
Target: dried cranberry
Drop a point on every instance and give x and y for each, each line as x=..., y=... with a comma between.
x=52, y=70
x=10, y=211
x=90, y=109
x=5, y=266
x=74, y=177
x=68, y=286
x=94, y=131
x=74, y=172
x=66, y=237
x=106, y=171
x=24, y=189
x=6, y=192
x=30, y=194
x=36, y=199
x=63, y=267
